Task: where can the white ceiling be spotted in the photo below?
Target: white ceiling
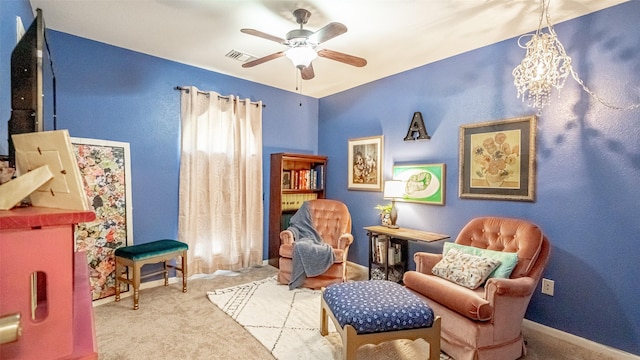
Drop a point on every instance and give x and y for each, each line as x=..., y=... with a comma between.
x=393, y=35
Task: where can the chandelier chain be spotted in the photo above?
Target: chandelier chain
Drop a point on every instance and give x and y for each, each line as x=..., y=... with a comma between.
x=598, y=98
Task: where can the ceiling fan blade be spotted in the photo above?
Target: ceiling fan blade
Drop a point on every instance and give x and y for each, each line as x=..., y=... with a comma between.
x=263, y=35
x=307, y=72
x=342, y=57
x=263, y=59
x=328, y=32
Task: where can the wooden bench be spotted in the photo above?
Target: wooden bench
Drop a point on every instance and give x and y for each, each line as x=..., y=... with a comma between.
x=375, y=311
x=135, y=256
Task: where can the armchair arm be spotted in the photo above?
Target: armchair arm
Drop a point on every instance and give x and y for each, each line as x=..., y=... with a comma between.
x=344, y=241
x=286, y=237
x=425, y=261
x=509, y=299
x=520, y=287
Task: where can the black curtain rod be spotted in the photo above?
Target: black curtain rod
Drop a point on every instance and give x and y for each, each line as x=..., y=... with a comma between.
x=207, y=94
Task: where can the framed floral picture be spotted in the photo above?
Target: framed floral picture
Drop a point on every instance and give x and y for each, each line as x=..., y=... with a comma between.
x=106, y=170
x=423, y=184
x=365, y=163
x=497, y=159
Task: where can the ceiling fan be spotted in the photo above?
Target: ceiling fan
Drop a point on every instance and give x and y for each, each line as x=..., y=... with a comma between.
x=302, y=45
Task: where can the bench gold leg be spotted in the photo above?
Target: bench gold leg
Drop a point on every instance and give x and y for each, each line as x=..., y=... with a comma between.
x=184, y=271
x=136, y=285
x=118, y=271
x=166, y=274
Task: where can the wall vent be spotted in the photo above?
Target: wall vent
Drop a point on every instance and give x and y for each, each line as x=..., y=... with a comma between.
x=239, y=55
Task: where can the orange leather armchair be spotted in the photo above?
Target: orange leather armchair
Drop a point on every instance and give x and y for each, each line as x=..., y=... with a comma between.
x=332, y=221
x=485, y=323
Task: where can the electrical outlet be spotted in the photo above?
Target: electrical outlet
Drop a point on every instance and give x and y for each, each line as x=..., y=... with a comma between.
x=548, y=287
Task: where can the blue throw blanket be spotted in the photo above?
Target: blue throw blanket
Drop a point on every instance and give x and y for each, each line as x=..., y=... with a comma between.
x=311, y=256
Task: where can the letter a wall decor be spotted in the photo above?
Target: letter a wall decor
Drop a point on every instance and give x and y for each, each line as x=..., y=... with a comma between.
x=417, y=130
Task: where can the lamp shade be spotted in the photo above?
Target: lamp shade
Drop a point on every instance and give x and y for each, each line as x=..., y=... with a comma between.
x=301, y=56
x=393, y=189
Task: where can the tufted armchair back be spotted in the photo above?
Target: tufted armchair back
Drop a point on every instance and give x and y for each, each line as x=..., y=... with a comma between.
x=508, y=235
x=330, y=218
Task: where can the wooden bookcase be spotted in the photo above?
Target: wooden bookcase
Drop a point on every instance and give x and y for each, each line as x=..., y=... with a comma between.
x=295, y=178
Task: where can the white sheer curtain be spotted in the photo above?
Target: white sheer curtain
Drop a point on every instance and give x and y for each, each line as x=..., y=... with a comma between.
x=220, y=181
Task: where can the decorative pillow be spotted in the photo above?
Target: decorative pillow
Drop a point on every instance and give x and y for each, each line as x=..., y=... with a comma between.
x=465, y=269
x=508, y=260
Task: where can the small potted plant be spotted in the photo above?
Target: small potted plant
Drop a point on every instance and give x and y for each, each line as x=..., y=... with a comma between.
x=385, y=213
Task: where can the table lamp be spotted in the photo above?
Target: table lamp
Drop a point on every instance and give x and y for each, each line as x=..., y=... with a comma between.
x=393, y=189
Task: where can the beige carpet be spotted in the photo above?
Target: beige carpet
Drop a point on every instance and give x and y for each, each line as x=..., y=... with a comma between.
x=174, y=325
x=287, y=323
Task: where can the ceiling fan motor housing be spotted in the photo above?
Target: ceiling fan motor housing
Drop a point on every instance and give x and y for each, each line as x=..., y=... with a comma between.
x=299, y=37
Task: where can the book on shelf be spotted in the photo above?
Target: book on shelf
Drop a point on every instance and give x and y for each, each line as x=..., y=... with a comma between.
x=380, y=249
x=294, y=201
x=306, y=179
x=319, y=176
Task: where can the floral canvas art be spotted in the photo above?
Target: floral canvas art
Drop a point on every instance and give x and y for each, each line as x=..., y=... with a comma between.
x=497, y=159
x=104, y=167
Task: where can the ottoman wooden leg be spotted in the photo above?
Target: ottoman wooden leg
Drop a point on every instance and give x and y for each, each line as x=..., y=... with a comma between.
x=350, y=343
x=433, y=338
x=324, y=319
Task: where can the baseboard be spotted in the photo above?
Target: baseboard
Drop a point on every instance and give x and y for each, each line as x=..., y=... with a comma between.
x=360, y=268
x=579, y=341
x=126, y=294
x=356, y=265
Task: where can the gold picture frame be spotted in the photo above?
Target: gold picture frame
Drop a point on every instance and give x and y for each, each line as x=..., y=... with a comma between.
x=497, y=159
x=365, y=163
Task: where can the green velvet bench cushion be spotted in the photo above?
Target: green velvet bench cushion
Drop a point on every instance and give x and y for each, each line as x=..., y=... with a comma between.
x=150, y=249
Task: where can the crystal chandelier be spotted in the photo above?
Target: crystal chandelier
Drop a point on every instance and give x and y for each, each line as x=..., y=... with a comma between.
x=546, y=65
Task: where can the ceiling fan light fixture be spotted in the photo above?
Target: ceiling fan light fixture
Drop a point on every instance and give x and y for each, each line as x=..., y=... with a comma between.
x=301, y=56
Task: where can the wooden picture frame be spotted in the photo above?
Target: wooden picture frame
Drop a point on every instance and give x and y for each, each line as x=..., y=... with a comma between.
x=106, y=169
x=497, y=159
x=424, y=183
x=365, y=163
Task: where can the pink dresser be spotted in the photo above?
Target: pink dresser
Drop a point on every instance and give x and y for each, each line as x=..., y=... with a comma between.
x=57, y=321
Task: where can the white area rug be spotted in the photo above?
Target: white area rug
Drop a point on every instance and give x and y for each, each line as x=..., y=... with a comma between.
x=288, y=323
x=285, y=322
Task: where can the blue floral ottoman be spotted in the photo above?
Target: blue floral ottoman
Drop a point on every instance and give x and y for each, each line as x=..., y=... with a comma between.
x=375, y=311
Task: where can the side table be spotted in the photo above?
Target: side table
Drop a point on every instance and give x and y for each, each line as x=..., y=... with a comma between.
x=388, y=250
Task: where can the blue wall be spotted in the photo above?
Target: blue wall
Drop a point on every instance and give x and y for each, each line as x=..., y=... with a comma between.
x=588, y=156
x=588, y=164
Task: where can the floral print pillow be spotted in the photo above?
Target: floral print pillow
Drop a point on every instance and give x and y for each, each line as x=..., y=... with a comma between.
x=466, y=270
